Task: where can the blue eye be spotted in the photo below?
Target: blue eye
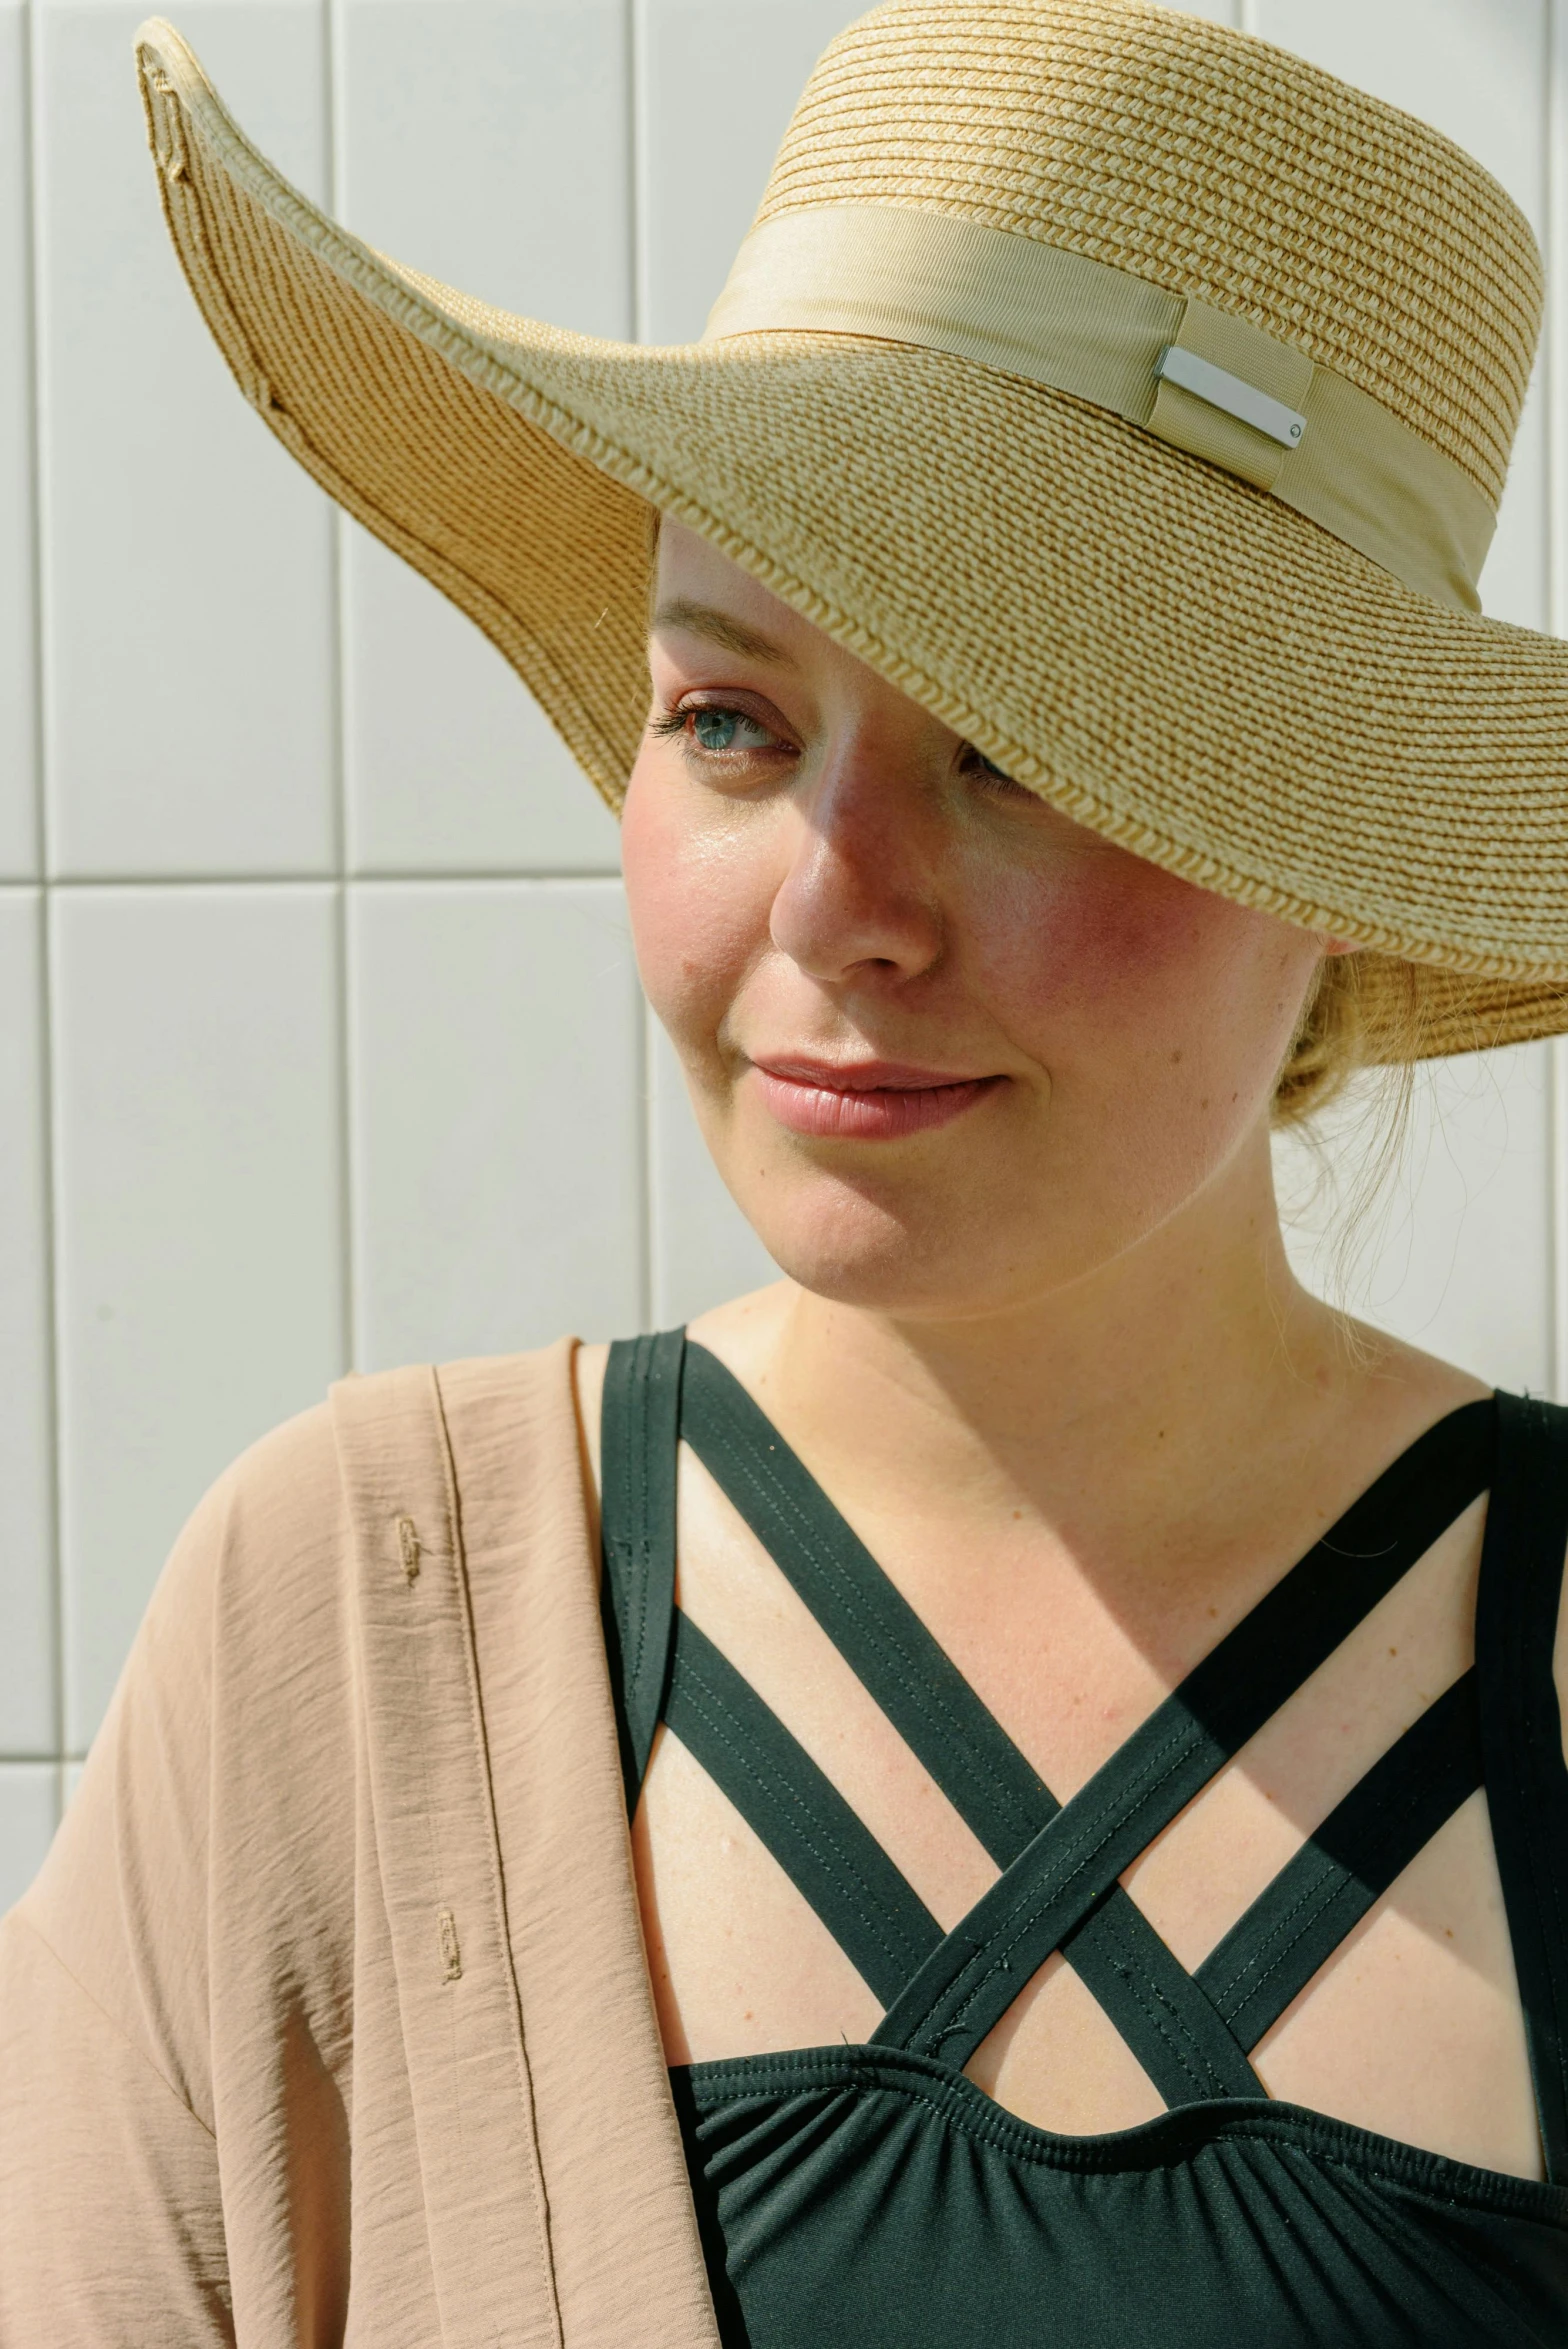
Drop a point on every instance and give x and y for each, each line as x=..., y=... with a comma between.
x=720, y=729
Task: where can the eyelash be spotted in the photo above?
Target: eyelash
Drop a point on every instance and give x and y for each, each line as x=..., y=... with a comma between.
x=675, y=723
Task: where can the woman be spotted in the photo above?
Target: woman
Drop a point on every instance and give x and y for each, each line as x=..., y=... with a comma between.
x=1098, y=1866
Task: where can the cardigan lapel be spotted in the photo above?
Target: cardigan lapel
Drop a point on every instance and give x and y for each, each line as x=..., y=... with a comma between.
x=484, y=2198
x=628, y=2262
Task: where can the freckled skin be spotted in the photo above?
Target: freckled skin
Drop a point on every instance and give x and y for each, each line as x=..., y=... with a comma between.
x=855, y=887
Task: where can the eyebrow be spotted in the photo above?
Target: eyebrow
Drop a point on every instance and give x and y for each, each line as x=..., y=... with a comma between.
x=706, y=620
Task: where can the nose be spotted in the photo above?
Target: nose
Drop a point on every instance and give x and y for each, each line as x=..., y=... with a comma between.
x=859, y=900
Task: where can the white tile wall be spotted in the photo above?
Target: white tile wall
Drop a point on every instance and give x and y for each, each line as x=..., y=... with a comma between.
x=495, y=1050
x=1480, y=1133
x=187, y=562
x=199, y=1217
x=28, y=1710
x=450, y=767
x=717, y=84
x=334, y=1052
x=1454, y=1249
x=29, y=1807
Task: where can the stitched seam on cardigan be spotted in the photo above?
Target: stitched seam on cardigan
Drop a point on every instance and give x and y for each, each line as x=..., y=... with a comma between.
x=499, y=1920
x=19, y=1916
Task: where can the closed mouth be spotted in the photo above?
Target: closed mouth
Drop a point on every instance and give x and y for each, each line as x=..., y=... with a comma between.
x=866, y=1100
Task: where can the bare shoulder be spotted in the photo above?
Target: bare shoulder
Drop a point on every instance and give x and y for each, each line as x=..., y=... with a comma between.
x=1434, y=1387
x=744, y=1332
x=739, y=1332
x=1415, y=1384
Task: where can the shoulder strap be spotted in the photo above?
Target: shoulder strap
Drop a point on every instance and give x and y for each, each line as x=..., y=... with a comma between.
x=1346, y=1865
x=872, y=1911
x=639, y=1431
x=1521, y=1734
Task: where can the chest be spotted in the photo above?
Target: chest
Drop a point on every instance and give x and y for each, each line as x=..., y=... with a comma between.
x=1411, y=2028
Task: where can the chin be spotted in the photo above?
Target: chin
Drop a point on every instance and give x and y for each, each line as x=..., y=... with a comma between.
x=911, y=1259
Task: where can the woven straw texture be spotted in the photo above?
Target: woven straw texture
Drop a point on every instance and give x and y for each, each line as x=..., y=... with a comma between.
x=1162, y=651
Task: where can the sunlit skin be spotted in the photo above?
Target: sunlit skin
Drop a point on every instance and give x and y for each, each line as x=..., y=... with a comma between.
x=995, y=1094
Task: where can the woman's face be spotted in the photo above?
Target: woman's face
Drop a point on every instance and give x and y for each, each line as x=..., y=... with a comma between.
x=950, y=1050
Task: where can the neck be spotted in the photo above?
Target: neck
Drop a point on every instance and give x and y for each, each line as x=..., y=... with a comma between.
x=1119, y=1410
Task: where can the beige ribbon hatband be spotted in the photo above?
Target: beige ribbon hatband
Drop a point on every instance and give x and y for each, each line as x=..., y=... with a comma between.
x=1260, y=408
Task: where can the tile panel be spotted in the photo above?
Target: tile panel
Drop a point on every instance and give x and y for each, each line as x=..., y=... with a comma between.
x=718, y=84
x=1452, y=1247
x=187, y=561
x=496, y=1059
x=27, y=1600
x=198, y=1213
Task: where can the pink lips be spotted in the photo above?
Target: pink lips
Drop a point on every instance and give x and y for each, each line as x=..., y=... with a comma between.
x=865, y=1101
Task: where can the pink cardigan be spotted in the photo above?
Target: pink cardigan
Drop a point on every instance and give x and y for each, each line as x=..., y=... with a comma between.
x=328, y=2019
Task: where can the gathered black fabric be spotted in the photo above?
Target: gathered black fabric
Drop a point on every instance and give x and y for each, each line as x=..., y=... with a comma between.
x=873, y=2195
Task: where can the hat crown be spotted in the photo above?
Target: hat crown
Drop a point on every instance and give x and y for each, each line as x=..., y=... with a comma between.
x=1208, y=162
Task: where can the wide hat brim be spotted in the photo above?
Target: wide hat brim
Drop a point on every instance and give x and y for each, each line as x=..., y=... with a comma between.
x=1162, y=651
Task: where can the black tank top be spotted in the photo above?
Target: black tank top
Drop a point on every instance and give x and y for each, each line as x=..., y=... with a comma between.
x=873, y=2197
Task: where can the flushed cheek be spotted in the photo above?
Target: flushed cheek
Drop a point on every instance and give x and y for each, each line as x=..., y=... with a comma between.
x=1110, y=945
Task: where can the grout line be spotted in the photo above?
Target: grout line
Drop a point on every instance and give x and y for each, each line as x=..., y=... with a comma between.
x=463, y=877
x=52, y=1338
x=43, y=1034
x=333, y=69
x=632, y=49
x=32, y=280
x=480, y=877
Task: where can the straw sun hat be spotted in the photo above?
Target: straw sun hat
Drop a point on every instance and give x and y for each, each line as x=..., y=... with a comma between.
x=1135, y=396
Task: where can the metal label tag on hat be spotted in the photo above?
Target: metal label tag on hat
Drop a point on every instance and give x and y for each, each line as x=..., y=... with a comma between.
x=1233, y=394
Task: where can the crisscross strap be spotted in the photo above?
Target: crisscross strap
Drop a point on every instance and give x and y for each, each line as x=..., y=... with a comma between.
x=1167, y=2018
x=638, y=1437
x=872, y=1911
x=968, y=1983
x=992, y=1786
x=1347, y=1864
x=1153, y=2002
x=1521, y=1735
